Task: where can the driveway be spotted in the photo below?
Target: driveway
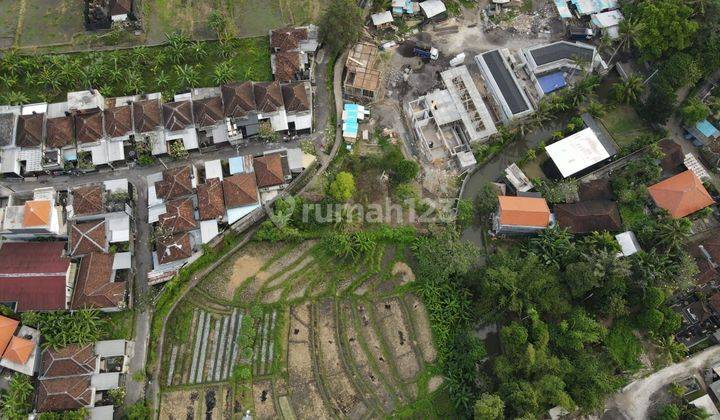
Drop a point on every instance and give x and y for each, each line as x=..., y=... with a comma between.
x=634, y=400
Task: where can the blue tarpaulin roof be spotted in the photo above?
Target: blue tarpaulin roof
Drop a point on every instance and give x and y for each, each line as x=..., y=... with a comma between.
x=563, y=9
x=552, y=82
x=707, y=129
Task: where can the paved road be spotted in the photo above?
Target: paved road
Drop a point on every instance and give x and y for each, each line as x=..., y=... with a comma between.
x=634, y=400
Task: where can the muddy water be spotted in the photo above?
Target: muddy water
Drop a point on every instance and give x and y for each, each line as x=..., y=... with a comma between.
x=495, y=167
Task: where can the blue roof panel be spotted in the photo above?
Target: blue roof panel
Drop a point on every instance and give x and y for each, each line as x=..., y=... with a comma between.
x=707, y=129
x=552, y=82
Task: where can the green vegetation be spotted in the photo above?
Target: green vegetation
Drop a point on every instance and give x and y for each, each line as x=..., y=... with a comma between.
x=61, y=329
x=16, y=402
x=118, y=325
x=79, y=414
x=342, y=187
x=340, y=25
x=176, y=66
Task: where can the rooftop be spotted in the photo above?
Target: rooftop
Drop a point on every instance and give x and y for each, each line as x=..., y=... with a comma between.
x=37, y=213
x=30, y=130
x=287, y=39
x=210, y=199
x=238, y=99
x=174, y=248
x=287, y=64
x=147, y=115
x=118, y=121
x=88, y=200
x=95, y=287
x=268, y=96
x=269, y=170
x=523, y=211
x=295, y=97
x=681, y=195
x=240, y=190
x=177, y=115
x=589, y=216
x=208, y=111
x=88, y=237
x=60, y=131
x=180, y=216
x=561, y=50
x=89, y=126
x=176, y=182
x=504, y=82
x=577, y=152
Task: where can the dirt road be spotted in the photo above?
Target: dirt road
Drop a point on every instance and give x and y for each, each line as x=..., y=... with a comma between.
x=634, y=400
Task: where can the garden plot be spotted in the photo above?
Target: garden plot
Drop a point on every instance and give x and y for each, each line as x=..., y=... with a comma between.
x=350, y=340
x=341, y=390
x=214, y=402
x=263, y=400
x=423, y=336
x=264, y=351
x=212, y=353
x=395, y=329
x=305, y=398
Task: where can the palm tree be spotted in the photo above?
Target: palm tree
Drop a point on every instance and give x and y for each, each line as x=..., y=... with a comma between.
x=187, y=76
x=15, y=98
x=629, y=31
x=629, y=91
x=596, y=109
x=673, y=233
x=223, y=73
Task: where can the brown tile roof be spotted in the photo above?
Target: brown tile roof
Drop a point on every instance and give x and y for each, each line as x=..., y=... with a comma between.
x=286, y=39
x=72, y=360
x=706, y=271
x=240, y=190
x=120, y=7
x=681, y=195
x=287, y=64
x=295, y=97
x=89, y=126
x=88, y=200
x=673, y=156
x=598, y=189
x=180, y=216
x=174, y=248
x=147, y=115
x=523, y=211
x=19, y=350
x=176, y=183
x=60, y=131
x=269, y=170
x=88, y=237
x=95, y=288
x=208, y=111
x=7, y=331
x=268, y=96
x=210, y=199
x=62, y=394
x=30, y=130
x=238, y=99
x=589, y=216
x=712, y=244
x=118, y=121
x=177, y=115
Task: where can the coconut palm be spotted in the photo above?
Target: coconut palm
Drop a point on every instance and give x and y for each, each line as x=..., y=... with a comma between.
x=15, y=98
x=629, y=31
x=629, y=91
x=596, y=109
x=673, y=233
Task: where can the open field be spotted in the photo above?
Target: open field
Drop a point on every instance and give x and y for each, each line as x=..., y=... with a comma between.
x=625, y=125
x=328, y=339
x=59, y=23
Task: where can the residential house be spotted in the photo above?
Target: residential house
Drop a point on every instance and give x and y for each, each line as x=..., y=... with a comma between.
x=35, y=276
x=433, y=10
x=272, y=172
x=121, y=10
x=180, y=217
x=589, y=216
x=86, y=201
x=293, y=50
x=27, y=218
x=362, y=76
x=19, y=347
x=240, y=192
x=240, y=109
x=101, y=282
x=209, y=116
x=211, y=208
x=179, y=127
x=681, y=195
x=580, y=153
x=404, y=7
x=297, y=99
x=88, y=237
x=521, y=215
x=80, y=376
x=703, y=133
x=176, y=182
x=382, y=20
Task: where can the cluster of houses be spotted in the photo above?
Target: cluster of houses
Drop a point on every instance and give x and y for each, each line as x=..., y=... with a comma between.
x=602, y=16
x=88, y=131
x=66, y=250
x=428, y=10
x=186, y=213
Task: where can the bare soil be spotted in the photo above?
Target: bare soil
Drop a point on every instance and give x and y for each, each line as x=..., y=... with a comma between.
x=180, y=404
x=263, y=400
x=434, y=383
x=423, y=334
x=404, y=272
x=394, y=327
x=287, y=274
x=260, y=276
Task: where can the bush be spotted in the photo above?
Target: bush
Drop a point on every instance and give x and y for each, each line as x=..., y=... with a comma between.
x=343, y=187
x=624, y=348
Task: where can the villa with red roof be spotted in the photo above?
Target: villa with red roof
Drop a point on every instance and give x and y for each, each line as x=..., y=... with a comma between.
x=681, y=195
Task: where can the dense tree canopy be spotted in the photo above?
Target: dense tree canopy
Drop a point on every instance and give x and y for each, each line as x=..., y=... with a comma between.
x=666, y=26
x=341, y=24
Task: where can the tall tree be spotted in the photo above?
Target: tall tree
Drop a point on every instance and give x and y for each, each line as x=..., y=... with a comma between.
x=667, y=26
x=629, y=91
x=341, y=24
x=489, y=407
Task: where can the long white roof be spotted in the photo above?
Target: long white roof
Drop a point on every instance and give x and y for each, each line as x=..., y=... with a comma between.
x=577, y=152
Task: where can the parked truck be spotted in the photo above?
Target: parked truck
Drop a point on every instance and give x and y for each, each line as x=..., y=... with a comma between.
x=426, y=51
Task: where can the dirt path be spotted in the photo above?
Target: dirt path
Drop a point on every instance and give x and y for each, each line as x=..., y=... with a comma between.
x=634, y=400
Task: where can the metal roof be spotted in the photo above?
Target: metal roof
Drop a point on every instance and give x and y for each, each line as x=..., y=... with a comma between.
x=506, y=82
x=577, y=152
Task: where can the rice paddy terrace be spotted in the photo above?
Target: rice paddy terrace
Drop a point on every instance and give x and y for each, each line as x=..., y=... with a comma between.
x=286, y=332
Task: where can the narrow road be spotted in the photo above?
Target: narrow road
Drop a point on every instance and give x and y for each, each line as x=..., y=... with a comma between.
x=634, y=400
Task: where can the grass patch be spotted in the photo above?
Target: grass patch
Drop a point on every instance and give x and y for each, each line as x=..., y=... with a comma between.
x=633, y=216
x=624, y=348
x=435, y=406
x=118, y=325
x=625, y=125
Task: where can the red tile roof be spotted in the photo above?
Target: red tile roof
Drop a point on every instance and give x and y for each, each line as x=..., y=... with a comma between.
x=210, y=199
x=62, y=394
x=30, y=130
x=269, y=170
x=147, y=115
x=118, y=121
x=176, y=182
x=7, y=331
x=238, y=99
x=86, y=237
x=681, y=195
x=177, y=115
x=287, y=65
x=19, y=350
x=174, y=248
x=32, y=274
x=72, y=360
x=60, y=132
x=89, y=126
x=286, y=39
x=95, y=288
x=523, y=211
x=240, y=190
x=88, y=200
x=295, y=97
x=180, y=216
x=208, y=111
